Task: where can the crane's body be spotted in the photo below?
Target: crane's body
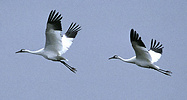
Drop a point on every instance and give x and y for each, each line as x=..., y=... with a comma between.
x=144, y=58
x=56, y=44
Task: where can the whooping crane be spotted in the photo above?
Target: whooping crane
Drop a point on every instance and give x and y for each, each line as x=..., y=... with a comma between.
x=144, y=58
x=56, y=44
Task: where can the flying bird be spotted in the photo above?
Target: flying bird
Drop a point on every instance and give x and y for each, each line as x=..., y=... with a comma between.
x=56, y=44
x=144, y=58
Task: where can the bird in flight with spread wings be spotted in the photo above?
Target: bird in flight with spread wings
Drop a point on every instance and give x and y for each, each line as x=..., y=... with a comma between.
x=56, y=44
x=144, y=58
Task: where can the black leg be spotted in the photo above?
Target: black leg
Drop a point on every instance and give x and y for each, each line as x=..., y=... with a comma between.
x=69, y=67
x=166, y=71
x=163, y=71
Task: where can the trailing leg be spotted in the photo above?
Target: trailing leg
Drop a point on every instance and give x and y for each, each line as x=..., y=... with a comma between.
x=164, y=71
x=69, y=67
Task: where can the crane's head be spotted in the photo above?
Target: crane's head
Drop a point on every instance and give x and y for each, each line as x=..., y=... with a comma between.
x=22, y=51
x=114, y=57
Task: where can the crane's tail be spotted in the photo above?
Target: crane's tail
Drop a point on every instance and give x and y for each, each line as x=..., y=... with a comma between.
x=69, y=67
x=166, y=72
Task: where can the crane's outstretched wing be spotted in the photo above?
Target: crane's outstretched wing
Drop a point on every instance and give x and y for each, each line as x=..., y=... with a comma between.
x=139, y=47
x=53, y=32
x=155, y=51
x=67, y=38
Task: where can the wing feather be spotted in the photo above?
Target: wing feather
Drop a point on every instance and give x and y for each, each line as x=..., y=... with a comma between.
x=53, y=32
x=54, y=41
x=139, y=47
x=155, y=51
x=67, y=38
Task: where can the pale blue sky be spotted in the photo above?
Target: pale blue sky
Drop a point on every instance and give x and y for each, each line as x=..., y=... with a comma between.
x=105, y=32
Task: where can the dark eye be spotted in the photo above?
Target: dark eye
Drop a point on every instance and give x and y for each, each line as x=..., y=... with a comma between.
x=22, y=49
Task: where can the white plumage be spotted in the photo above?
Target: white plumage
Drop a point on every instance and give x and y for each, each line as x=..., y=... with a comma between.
x=144, y=58
x=56, y=44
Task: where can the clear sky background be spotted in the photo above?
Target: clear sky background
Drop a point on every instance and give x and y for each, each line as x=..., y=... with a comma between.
x=105, y=32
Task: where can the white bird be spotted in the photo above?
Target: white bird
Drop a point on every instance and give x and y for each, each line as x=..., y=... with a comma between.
x=144, y=58
x=56, y=44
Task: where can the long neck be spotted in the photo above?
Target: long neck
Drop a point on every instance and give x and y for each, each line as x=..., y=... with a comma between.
x=38, y=52
x=131, y=60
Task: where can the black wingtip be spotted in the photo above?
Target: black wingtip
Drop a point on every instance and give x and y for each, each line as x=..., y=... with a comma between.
x=156, y=47
x=55, y=19
x=134, y=36
x=73, y=30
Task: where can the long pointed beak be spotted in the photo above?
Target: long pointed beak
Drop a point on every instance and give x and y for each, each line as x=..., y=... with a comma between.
x=17, y=52
x=110, y=58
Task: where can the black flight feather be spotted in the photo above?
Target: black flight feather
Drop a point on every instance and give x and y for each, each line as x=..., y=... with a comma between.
x=134, y=37
x=55, y=20
x=73, y=30
x=156, y=47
